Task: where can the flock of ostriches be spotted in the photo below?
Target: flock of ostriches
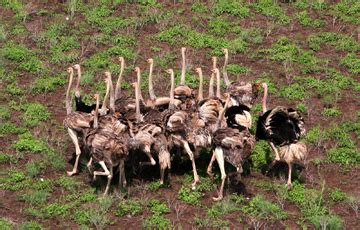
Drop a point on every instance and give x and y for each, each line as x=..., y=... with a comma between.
x=220, y=122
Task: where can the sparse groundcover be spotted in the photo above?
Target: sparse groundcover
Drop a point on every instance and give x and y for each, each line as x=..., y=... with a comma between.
x=306, y=51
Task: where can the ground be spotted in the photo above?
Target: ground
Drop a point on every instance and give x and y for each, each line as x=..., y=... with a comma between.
x=307, y=51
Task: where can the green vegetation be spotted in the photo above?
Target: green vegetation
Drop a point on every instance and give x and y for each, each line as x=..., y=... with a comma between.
x=338, y=41
x=337, y=195
x=27, y=142
x=261, y=156
x=34, y=113
x=131, y=207
x=231, y=7
x=47, y=84
x=190, y=197
x=272, y=9
x=352, y=62
x=307, y=21
x=261, y=208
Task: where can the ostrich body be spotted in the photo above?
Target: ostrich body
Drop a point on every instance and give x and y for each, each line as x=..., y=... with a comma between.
x=108, y=149
x=176, y=122
x=282, y=127
x=232, y=145
x=76, y=123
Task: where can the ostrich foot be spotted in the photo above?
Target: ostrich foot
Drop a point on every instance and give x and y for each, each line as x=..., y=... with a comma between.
x=196, y=180
x=210, y=174
x=220, y=197
x=71, y=173
x=289, y=186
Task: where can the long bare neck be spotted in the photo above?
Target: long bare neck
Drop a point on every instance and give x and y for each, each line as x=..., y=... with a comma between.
x=118, y=82
x=222, y=112
x=67, y=98
x=151, y=87
x=137, y=103
x=200, y=95
x=103, y=107
x=172, y=88
x=211, y=86
x=77, y=88
x=112, y=95
x=95, y=125
x=214, y=59
x=264, y=108
x=183, y=68
x=139, y=85
x=224, y=69
x=218, y=93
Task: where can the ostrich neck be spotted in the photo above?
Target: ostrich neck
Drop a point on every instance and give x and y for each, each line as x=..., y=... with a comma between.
x=222, y=112
x=200, y=96
x=151, y=88
x=264, y=100
x=214, y=63
x=95, y=125
x=78, y=81
x=139, y=85
x=172, y=88
x=218, y=93
x=211, y=86
x=67, y=98
x=183, y=69
x=118, y=82
x=103, y=107
x=137, y=103
x=226, y=79
x=112, y=96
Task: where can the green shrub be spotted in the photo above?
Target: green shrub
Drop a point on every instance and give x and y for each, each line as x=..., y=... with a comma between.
x=69, y=183
x=339, y=41
x=55, y=210
x=35, y=197
x=4, y=224
x=199, y=7
x=156, y=221
x=157, y=207
x=27, y=142
x=331, y=112
x=188, y=196
x=132, y=207
x=337, y=195
x=15, y=52
x=13, y=89
x=34, y=113
x=264, y=209
x=237, y=69
x=271, y=9
x=331, y=222
x=347, y=11
x=261, y=155
x=307, y=21
x=33, y=225
x=34, y=168
x=314, y=135
x=232, y=7
x=294, y=92
x=225, y=206
x=352, y=62
x=344, y=155
x=4, y=113
x=47, y=84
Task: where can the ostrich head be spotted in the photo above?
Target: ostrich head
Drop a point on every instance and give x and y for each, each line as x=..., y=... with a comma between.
x=150, y=61
x=198, y=70
x=137, y=69
x=183, y=49
x=121, y=59
x=169, y=71
x=225, y=51
x=76, y=66
x=70, y=70
x=107, y=74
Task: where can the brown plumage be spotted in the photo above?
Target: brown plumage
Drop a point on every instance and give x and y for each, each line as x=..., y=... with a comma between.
x=231, y=145
x=76, y=123
x=243, y=93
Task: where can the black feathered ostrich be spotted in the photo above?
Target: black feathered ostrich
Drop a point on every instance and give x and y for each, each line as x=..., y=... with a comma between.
x=231, y=144
x=282, y=127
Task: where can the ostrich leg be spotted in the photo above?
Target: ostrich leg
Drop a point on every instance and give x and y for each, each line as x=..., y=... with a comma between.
x=89, y=164
x=191, y=156
x=105, y=173
x=122, y=177
x=289, y=184
x=209, y=168
x=75, y=140
x=277, y=157
x=148, y=153
x=219, y=154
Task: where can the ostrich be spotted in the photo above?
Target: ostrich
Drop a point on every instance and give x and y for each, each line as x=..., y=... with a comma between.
x=230, y=144
x=119, y=80
x=182, y=91
x=282, y=127
x=79, y=104
x=224, y=70
x=108, y=149
x=76, y=123
x=209, y=108
x=176, y=124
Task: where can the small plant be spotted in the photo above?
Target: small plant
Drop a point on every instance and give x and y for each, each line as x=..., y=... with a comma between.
x=55, y=209
x=344, y=155
x=4, y=224
x=237, y=69
x=35, y=197
x=271, y=9
x=34, y=168
x=156, y=221
x=354, y=203
x=33, y=225
x=27, y=142
x=294, y=92
x=352, y=62
x=188, y=196
x=69, y=183
x=157, y=207
x=261, y=156
x=129, y=207
x=220, y=208
x=315, y=135
x=331, y=112
x=47, y=84
x=327, y=222
x=232, y=7
x=261, y=208
x=307, y=21
x=337, y=195
x=4, y=113
x=34, y=113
